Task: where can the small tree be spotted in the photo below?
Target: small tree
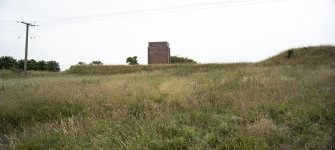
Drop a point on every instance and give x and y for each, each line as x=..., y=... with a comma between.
x=96, y=62
x=7, y=62
x=132, y=60
x=53, y=66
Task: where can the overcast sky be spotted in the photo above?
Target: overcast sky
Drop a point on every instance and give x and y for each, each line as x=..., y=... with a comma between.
x=208, y=31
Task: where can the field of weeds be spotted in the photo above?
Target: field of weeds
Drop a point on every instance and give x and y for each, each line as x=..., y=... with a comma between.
x=227, y=107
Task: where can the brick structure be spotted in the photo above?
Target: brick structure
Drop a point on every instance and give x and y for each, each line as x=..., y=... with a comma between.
x=159, y=53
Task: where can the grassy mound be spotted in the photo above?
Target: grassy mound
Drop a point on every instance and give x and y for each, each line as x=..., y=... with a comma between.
x=307, y=56
x=317, y=55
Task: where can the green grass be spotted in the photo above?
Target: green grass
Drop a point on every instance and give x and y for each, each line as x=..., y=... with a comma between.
x=212, y=106
x=5, y=74
x=314, y=55
x=307, y=56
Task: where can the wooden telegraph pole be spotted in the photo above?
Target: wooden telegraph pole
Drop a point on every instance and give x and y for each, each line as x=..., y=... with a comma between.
x=26, y=48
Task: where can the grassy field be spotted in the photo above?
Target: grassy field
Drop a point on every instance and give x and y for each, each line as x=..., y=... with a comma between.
x=288, y=104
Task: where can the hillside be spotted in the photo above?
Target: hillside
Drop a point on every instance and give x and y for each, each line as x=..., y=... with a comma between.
x=161, y=107
x=308, y=56
x=317, y=55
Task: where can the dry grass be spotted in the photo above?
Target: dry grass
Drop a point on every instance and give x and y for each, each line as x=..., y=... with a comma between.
x=238, y=107
x=234, y=106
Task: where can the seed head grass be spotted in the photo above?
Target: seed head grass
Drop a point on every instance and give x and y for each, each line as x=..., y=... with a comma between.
x=212, y=106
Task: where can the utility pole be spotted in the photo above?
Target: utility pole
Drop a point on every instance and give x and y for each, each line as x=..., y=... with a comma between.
x=26, y=48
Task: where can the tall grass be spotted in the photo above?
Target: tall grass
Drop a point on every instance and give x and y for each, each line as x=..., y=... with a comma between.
x=4, y=74
x=234, y=107
x=267, y=105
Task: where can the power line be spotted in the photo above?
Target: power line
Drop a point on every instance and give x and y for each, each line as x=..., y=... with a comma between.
x=177, y=8
x=8, y=23
x=15, y=41
x=152, y=11
x=36, y=44
x=4, y=21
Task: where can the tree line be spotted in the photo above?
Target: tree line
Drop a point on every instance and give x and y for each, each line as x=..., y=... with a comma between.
x=8, y=62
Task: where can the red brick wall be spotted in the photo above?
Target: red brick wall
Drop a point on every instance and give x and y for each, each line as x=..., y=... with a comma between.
x=158, y=53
